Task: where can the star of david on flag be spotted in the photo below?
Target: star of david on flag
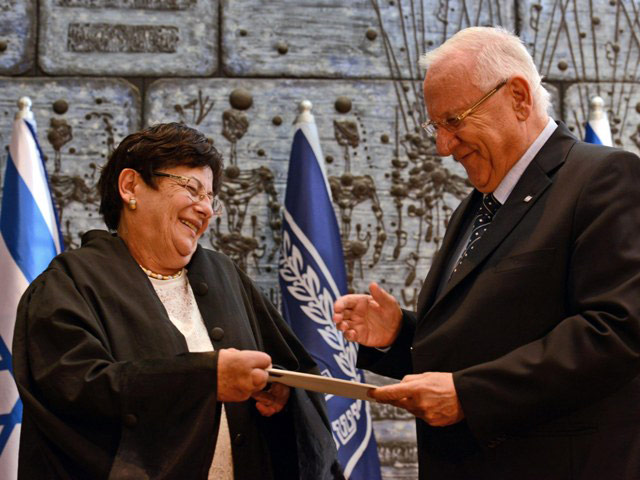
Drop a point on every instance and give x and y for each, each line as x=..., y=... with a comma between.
x=312, y=276
x=29, y=238
x=597, y=129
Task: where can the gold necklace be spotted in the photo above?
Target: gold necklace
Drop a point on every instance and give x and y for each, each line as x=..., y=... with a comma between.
x=159, y=276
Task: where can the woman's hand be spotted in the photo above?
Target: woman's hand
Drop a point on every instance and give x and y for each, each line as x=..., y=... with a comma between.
x=273, y=400
x=241, y=374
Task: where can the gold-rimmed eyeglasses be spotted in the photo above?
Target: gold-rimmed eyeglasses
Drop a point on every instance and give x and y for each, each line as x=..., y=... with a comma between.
x=451, y=124
x=197, y=192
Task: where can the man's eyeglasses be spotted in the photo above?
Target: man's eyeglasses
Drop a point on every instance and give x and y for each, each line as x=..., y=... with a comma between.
x=197, y=191
x=453, y=123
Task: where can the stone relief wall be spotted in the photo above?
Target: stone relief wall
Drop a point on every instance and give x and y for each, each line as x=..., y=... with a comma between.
x=238, y=69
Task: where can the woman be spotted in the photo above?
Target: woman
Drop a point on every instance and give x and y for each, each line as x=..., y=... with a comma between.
x=137, y=354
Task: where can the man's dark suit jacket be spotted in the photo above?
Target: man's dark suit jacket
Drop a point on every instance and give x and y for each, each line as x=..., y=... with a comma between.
x=541, y=328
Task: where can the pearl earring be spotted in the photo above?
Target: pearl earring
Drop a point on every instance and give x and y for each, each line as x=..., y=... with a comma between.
x=133, y=204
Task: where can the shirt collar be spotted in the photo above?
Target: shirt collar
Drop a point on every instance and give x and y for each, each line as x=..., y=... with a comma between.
x=510, y=180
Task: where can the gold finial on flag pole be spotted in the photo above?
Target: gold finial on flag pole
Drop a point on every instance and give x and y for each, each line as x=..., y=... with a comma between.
x=305, y=115
x=24, y=109
x=597, y=127
x=597, y=108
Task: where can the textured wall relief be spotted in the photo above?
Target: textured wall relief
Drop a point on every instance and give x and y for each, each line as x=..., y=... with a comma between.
x=128, y=37
x=105, y=37
x=80, y=189
x=17, y=35
x=175, y=5
x=79, y=123
x=239, y=187
x=623, y=101
x=287, y=38
x=238, y=233
x=348, y=191
x=597, y=46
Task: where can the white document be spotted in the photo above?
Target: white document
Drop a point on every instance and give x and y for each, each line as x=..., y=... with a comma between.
x=319, y=383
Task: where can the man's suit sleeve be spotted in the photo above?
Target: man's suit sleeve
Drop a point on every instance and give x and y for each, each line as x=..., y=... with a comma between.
x=594, y=351
x=396, y=362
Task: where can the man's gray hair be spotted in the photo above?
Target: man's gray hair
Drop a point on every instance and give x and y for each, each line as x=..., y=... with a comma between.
x=498, y=55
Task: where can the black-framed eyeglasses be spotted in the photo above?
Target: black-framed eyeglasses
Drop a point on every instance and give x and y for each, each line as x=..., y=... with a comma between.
x=453, y=123
x=196, y=190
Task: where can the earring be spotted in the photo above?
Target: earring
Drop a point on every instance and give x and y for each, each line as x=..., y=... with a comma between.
x=133, y=204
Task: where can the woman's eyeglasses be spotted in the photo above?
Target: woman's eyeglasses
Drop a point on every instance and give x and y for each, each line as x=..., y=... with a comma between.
x=197, y=191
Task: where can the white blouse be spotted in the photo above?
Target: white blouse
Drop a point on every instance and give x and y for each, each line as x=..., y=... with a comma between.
x=178, y=300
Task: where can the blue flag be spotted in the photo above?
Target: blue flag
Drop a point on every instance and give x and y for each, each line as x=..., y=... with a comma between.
x=312, y=277
x=597, y=129
x=29, y=239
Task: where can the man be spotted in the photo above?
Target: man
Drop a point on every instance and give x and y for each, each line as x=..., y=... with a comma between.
x=522, y=359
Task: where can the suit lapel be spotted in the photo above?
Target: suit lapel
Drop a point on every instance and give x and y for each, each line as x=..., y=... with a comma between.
x=449, y=242
x=534, y=181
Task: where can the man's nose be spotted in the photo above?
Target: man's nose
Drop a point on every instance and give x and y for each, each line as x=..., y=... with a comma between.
x=445, y=142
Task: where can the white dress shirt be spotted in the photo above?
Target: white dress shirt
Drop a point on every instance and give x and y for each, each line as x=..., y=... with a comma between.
x=502, y=192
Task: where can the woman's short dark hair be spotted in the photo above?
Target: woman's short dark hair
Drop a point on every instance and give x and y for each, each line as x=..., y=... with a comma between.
x=164, y=145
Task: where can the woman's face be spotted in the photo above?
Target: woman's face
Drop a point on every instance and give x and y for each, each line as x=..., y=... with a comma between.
x=167, y=221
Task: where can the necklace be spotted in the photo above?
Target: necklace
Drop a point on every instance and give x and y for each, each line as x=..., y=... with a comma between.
x=159, y=276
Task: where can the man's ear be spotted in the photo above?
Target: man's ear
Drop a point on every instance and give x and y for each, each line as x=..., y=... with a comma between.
x=128, y=181
x=521, y=97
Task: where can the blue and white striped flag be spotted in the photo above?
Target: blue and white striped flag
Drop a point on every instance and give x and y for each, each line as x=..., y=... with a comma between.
x=312, y=277
x=29, y=239
x=597, y=129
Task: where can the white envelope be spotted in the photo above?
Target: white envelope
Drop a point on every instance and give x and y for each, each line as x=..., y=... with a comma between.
x=319, y=383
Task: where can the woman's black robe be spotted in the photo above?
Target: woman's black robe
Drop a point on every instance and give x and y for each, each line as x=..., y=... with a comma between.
x=110, y=390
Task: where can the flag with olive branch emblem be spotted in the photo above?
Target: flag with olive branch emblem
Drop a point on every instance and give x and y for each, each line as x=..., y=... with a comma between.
x=312, y=276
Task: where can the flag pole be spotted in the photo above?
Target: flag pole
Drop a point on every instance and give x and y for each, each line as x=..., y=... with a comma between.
x=597, y=129
x=24, y=110
x=305, y=115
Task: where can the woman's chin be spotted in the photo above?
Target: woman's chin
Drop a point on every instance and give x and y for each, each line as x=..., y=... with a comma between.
x=186, y=247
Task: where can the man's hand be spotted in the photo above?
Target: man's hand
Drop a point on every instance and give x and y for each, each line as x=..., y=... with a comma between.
x=430, y=396
x=273, y=400
x=241, y=373
x=372, y=320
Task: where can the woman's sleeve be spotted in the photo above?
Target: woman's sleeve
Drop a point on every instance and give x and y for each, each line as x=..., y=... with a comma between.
x=71, y=384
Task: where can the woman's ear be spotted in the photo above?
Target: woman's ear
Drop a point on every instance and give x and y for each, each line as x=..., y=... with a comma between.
x=128, y=182
x=521, y=97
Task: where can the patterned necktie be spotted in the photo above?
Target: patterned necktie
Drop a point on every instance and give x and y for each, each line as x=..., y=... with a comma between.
x=483, y=218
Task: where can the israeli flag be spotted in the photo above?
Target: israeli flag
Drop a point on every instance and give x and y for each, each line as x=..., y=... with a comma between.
x=312, y=277
x=597, y=129
x=29, y=239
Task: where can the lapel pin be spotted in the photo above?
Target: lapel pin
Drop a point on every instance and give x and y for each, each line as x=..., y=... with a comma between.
x=527, y=198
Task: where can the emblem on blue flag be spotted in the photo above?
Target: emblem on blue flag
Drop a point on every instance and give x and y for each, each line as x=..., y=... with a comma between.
x=597, y=129
x=29, y=238
x=312, y=276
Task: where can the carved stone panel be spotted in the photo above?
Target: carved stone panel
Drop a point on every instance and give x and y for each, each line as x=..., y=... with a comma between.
x=622, y=103
x=583, y=41
x=79, y=122
x=129, y=37
x=359, y=38
x=17, y=35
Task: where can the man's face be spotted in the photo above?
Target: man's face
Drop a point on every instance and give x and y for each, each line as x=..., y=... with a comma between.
x=486, y=142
